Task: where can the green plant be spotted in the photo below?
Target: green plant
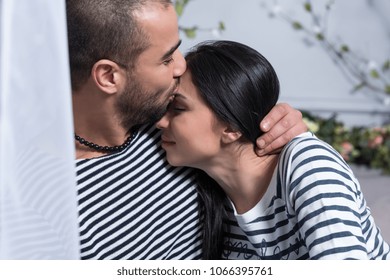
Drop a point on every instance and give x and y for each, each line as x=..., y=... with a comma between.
x=361, y=71
x=368, y=146
x=191, y=31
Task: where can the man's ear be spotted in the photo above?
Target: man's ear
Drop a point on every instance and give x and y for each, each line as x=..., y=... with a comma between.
x=230, y=135
x=108, y=76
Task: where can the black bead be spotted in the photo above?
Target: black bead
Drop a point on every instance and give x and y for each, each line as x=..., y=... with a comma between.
x=105, y=148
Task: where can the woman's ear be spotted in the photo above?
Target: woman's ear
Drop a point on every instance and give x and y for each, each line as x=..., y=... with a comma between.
x=108, y=76
x=230, y=135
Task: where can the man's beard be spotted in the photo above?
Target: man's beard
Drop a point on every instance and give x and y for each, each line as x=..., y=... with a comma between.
x=136, y=106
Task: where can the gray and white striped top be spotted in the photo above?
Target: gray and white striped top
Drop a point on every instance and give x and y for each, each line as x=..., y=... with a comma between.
x=315, y=210
x=134, y=205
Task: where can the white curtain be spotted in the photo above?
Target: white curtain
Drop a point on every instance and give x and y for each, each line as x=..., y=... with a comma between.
x=38, y=207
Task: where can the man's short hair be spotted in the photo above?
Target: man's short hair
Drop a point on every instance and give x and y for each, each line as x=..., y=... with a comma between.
x=104, y=29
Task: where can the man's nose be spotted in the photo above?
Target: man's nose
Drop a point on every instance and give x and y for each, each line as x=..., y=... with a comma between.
x=180, y=64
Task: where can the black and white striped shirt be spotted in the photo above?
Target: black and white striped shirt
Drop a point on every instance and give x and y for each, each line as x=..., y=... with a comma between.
x=134, y=205
x=316, y=210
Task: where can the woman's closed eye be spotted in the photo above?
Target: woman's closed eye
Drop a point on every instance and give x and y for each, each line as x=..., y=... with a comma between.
x=178, y=109
x=175, y=106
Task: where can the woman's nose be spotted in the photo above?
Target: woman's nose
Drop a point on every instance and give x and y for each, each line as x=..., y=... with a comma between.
x=163, y=122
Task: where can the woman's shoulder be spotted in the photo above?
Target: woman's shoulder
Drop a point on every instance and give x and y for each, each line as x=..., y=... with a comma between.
x=306, y=141
x=307, y=150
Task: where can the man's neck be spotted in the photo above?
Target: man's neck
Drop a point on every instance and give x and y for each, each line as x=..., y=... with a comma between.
x=95, y=121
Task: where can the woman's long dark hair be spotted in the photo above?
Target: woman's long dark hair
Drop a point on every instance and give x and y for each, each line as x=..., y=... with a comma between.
x=241, y=87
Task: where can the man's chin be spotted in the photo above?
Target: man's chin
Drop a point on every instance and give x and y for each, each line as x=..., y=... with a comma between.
x=152, y=115
x=157, y=115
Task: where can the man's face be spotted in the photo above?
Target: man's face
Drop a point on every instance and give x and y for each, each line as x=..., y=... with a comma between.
x=156, y=70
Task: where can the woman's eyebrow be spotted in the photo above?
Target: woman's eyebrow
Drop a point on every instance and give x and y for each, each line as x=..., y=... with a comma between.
x=181, y=96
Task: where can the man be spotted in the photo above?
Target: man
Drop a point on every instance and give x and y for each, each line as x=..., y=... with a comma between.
x=125, y=66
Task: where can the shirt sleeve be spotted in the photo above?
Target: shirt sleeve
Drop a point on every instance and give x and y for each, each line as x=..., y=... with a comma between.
x=325, y=198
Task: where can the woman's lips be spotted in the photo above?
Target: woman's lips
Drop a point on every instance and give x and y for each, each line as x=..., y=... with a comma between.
x=166, y=141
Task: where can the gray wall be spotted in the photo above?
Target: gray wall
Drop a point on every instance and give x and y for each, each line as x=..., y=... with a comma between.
x=309, y=79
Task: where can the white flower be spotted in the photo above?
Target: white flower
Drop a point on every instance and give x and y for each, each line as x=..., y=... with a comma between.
x=216, y=33
x=372, y=65
x=317, y=29
x=276, y=9
x=312, y=126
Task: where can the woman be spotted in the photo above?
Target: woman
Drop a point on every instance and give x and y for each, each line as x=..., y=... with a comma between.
x=315, y=210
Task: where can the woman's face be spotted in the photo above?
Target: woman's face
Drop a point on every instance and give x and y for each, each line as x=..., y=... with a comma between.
x=191, y=134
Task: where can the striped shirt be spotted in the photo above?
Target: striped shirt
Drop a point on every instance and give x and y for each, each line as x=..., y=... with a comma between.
x=315, y=210
x=134, y=205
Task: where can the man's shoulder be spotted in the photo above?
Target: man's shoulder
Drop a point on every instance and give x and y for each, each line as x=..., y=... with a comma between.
x=148, y=132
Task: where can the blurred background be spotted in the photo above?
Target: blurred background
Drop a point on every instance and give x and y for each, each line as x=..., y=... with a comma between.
x=333, y=63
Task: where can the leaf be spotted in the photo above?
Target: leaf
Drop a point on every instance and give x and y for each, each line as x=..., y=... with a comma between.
x=221, y=26
x=386, y=65
x=179, y=7
x=190, y=32
x=344, y=48
x=387, y=89
x=320, y=36
x=374, y=74
x=297, y=25
x=307, y=6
